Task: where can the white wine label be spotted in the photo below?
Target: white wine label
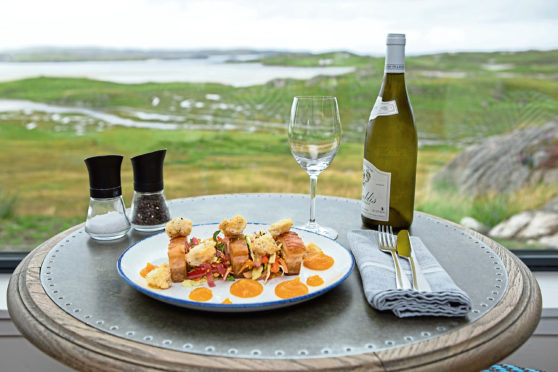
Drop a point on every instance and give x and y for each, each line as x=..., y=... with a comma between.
x=375, y=192
x=382, y=108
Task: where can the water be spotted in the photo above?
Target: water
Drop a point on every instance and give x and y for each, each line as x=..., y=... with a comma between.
x=213, y=69
x=86, y=119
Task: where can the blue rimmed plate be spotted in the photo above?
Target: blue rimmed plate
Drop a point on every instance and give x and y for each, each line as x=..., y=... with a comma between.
x=154, y=250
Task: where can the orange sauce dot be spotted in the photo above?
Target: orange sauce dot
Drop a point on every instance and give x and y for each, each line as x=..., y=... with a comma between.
x=318, y=261
x=314, y=281
x=201, y=294
x=246, y=288
x=291, y=288
x=227, y=301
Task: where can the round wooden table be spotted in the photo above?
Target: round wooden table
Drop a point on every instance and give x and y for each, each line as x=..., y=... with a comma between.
x=469, y=346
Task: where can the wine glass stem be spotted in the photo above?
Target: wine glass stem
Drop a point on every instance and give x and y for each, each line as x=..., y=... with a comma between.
x=313, y=185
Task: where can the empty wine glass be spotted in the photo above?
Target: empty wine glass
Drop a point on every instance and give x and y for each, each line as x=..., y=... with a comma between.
x=314, y=137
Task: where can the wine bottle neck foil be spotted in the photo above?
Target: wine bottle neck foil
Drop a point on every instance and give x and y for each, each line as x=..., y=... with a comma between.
x=395, y=56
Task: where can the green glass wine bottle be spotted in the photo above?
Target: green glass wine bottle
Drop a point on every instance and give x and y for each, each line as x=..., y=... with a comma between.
x=390, y=148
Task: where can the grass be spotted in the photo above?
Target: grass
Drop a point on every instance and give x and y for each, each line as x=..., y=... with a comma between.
x=24, y=233
x=47, y=170
x=7, y=204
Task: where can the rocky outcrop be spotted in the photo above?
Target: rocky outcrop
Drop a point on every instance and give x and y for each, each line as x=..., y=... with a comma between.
x=506, y=163
x=473, y=224
x=535, y=226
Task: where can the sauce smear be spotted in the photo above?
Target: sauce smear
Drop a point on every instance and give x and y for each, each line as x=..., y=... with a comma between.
x=318, y=261
x=147, y=269
x=201, y=294
x=246, y=288
x=291, y=288
x=314, y=281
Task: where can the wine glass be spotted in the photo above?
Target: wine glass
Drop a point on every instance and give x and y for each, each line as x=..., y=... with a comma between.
x=314, y=137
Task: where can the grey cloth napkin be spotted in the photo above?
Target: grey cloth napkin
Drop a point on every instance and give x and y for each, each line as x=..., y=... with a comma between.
x=378, y=279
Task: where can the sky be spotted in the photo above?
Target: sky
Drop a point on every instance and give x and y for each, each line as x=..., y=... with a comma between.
x=299, y=25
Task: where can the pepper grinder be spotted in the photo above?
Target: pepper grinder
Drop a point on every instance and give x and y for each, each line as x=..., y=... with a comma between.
x=149, y=205
x=106, y=215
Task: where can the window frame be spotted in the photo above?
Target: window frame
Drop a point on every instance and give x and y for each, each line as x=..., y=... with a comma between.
x=538, y=259
x=10, y=260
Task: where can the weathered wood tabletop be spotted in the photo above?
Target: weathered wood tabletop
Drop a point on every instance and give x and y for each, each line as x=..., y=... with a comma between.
x=470, y=346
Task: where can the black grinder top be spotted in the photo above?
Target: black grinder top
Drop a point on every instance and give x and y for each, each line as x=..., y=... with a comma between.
x=148, y=171
x=104, y=176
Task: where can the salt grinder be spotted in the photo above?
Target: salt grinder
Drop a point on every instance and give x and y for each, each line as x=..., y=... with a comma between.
x=149, y=206
x=106, y=215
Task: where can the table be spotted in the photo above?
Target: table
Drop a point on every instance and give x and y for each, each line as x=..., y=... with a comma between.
x=320, y=331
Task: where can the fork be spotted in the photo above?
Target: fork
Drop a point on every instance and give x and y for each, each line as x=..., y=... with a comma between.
x=386, y=242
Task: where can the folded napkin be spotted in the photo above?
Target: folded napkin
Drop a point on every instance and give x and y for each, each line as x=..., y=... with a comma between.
x=378, y=279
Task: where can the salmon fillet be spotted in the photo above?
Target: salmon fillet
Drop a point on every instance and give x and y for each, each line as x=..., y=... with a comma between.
x=293, y=250
x=177, y=259
x=238, y=254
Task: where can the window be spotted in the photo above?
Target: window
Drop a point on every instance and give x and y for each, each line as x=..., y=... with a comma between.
x=212, y=81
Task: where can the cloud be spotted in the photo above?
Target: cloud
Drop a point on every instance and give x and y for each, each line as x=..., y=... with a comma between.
x=316, y=25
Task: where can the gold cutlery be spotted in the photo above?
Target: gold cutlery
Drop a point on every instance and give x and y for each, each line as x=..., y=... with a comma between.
x=386, y=242
x=405, y=250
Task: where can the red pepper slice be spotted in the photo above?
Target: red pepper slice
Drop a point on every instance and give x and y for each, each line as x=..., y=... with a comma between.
x=209, y=277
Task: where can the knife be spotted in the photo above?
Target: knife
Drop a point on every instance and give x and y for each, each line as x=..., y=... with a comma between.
x=404, y=249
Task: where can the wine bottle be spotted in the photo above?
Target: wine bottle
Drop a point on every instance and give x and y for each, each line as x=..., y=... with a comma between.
x=390, y=148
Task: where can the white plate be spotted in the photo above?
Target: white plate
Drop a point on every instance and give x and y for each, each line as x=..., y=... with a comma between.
x=154, y=250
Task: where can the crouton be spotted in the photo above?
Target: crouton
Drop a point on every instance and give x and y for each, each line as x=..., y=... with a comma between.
x=264, y=244
x=234, y=227
x=159, y=277
x=178, y=227
x=280, y=227
x=201, y=253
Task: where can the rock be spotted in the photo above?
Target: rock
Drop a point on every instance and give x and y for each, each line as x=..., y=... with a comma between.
x=473, y=224
x=512, y=226
x=550, y=241
x=550, y=177
x=534, y=227
x=505, y=163
x=552, y=206
x=542, y=224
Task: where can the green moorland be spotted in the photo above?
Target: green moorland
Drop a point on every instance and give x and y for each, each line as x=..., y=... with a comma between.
x=457, y=99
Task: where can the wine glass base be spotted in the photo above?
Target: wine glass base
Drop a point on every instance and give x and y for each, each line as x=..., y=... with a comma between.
x=315, y=228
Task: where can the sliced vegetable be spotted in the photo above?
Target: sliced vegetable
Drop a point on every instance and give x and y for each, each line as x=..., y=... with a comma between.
x=248, y=265
x=249, y=244
x=193, y=283
x=210, y=280
x=268, y=273
x=283, y=265
x=257, y=272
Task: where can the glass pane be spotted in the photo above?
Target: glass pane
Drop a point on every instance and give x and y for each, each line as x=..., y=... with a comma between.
x=213, y=82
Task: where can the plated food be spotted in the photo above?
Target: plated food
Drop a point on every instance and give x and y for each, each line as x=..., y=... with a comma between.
x=235, y=265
